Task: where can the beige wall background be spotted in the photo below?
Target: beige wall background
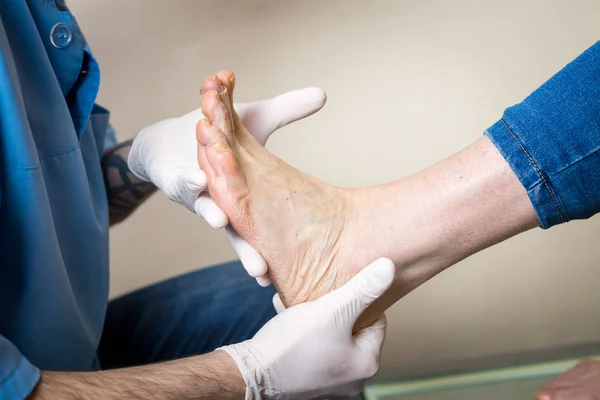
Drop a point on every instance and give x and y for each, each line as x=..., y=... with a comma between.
x=409, y=82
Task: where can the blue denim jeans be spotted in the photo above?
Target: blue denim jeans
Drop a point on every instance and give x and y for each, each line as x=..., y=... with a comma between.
x=552, y=141
x=187, y=315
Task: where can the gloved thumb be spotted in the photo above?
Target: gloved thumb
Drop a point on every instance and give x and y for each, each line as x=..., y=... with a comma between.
x=370, y=339
x=262, y=118
x=362, y=290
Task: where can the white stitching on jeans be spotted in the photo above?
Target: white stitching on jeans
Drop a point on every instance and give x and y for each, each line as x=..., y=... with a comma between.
x=562, y=219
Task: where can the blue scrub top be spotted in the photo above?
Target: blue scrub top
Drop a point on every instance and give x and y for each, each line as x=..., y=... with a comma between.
x=53, y=206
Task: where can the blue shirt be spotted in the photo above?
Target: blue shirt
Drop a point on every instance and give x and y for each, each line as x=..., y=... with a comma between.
x=53, y=206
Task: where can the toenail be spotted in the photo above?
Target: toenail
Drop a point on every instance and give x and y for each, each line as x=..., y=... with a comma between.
x=221, y=147
x=203, y=121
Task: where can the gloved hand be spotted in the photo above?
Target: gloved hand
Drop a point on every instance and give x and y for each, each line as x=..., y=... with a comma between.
x=308, y=350
x=165, y=154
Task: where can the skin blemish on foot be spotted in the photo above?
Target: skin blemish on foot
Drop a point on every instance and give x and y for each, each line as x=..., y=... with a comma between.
x=221, y=147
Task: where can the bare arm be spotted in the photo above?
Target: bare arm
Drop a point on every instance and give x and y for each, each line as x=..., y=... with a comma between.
x=210, y=376
x=124, y=190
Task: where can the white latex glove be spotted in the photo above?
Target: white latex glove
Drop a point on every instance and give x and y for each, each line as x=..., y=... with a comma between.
x=308, y=351
x=165, y=154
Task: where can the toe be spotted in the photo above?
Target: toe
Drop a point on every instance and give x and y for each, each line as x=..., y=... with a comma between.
x=227, y=79
x=220, y=158
x=204, y=165
x=217, y=113
x=208, y=135
x=228, y=189
x=211, y=82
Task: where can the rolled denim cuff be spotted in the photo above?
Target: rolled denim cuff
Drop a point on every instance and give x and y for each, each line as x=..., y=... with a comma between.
x=551, y=141
x=541, y=191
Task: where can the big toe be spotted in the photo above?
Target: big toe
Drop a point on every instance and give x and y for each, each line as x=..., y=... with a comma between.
x=227, y=79
x=215, y=109
x=211, y=82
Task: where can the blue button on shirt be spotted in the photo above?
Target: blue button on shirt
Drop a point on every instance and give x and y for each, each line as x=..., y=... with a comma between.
x=53, y=206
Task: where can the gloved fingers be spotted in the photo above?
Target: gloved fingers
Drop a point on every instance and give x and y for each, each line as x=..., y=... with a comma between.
x=253, y=262
x=210, y=211
x=278, y=304
x=362, y=290
x=185, y=187
x=262, y=118
x=370, y=342
x=264, y=280
x=370, y=339
x=195, y=180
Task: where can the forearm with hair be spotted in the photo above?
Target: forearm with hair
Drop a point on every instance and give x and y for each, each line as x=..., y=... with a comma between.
x=124, y=190
x=211, y=376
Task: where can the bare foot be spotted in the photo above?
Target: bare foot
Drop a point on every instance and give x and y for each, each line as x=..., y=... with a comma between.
x=582, y=382
x=299, y=224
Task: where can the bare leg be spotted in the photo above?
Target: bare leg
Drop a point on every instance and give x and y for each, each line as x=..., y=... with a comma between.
x=315, y=236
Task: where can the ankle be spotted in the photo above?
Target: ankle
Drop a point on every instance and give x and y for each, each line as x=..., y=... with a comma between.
x=401, y=222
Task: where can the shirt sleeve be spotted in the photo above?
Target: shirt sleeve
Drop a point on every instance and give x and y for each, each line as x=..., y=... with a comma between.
x=18, y=377
x=552, y=140
x=111, y=138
